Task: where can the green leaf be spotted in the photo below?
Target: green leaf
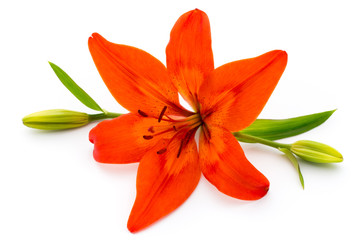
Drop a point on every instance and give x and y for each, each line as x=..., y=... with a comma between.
x=271, y=129
x=294, y=161
x=77, y=91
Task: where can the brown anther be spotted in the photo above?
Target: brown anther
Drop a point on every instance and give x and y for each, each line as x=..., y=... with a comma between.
x=147, y=137
x=161, y=151
x=151, y=129
x=142, y=113
x=174, y=128
x=162, y=113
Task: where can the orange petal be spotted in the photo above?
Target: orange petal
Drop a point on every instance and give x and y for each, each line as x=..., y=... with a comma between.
x=136, y=79
x=120, y=140
x=189, y=55
x=164, y=182
x=237, y=92
x=224, y=164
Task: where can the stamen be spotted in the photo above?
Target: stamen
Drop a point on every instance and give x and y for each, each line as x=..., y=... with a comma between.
x=161, y=151
x=151, y=129
x=174, y=127
x=142, y=113
x=180, y=148
x=162, y=113
x=147, y=137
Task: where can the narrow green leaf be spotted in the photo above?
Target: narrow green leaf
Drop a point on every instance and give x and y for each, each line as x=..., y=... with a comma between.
x=77, y=91
x=272, y=129
x=294, y=161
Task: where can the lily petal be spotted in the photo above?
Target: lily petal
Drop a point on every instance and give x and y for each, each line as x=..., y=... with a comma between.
x=137, y=80
x=224, y=164
x=237, y=92
x=120, y=140
x=189, y=55
x=164, y=182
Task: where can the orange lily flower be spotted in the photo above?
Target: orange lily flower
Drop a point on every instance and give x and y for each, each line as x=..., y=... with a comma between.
x=160, y=134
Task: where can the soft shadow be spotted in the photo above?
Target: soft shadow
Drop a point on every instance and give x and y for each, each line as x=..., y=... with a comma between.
x=330, y=166
x=54, y=133
x=118, y=169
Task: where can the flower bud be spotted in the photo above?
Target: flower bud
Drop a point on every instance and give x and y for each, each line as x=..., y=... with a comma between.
x=316, y=152
x=56, y=119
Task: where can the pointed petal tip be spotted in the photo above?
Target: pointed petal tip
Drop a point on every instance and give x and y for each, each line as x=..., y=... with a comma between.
x=277, y=53
x=91, y=37
x=284, y=58
x=95, y=37
x=258, y=191
x=282, y=54
x=133, y=227
x=90, y=40
x=264, y=190
x=196, y=10
x=134, y=223
x=194, y=15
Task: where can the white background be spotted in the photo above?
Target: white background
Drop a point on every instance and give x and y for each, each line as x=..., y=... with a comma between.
x=50, y=186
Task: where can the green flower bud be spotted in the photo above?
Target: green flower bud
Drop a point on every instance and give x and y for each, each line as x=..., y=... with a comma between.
x=56, y=119
x=316, y=152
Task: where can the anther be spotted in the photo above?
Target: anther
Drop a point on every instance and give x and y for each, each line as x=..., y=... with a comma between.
x=142, y=113
x=147, y=137
x=151, y=129
x=174, y=128
x=161, y=151
x=162, y=113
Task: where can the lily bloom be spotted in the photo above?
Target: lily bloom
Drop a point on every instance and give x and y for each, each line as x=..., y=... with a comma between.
x=160, y=134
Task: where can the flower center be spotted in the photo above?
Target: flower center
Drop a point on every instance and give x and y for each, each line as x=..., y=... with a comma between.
x=173, y=127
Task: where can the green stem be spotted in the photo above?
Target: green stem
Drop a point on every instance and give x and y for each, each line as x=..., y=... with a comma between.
x=252, y=139
x=104, y=115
